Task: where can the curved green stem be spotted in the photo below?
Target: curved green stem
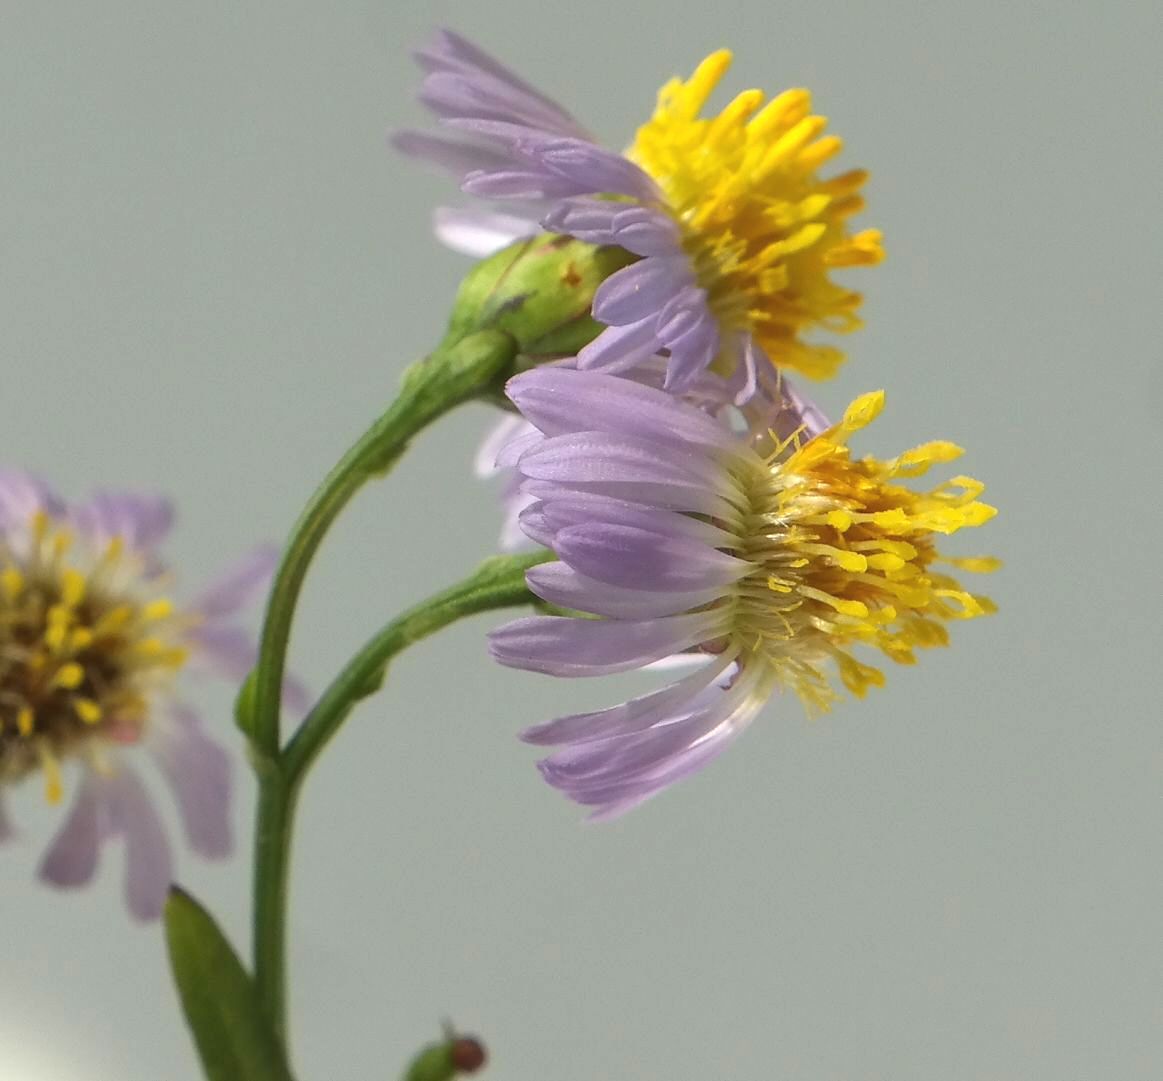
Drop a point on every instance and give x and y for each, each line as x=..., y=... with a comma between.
x=455, y=373
x=443, y=380
x=499, y=582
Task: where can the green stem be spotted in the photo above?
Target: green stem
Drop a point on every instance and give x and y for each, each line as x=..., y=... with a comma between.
x=455, y=373
x=498, y=582
x=443, y=380
x=272, y=861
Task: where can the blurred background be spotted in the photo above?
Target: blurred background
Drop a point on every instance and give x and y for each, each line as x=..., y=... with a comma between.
x=212, y=272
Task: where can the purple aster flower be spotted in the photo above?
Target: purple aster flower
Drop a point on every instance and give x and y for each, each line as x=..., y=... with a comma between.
x=770, y=558
x=734, y=231
x=774, y=414
x=90, y=644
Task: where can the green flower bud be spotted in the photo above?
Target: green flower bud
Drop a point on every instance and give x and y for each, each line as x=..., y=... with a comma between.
x=539, y=291
x=453, y=1057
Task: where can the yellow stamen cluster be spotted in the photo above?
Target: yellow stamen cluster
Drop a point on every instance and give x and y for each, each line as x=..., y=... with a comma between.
x=79, y=649
x=761, y=229
x=844, y=555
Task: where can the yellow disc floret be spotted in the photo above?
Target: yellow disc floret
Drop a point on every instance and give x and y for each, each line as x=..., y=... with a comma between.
x=760, y=228
x=845, y=555
x=84, y=638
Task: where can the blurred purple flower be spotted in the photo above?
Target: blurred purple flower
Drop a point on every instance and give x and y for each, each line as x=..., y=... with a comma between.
x=89, y=647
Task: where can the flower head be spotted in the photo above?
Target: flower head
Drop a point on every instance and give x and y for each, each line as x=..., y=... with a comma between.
x=90, y=644
x=735, y=231
x=774, y=414
x=772, y=564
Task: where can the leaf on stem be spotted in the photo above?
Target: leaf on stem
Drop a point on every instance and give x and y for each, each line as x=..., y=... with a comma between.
x=234, y=1039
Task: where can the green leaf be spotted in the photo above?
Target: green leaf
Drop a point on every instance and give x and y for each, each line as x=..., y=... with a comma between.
x=234, y=1039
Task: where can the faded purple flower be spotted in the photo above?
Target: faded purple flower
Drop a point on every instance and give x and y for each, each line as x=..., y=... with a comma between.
x=90, y=643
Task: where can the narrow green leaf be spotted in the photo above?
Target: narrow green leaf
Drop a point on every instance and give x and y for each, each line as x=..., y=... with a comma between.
x=234, y=1039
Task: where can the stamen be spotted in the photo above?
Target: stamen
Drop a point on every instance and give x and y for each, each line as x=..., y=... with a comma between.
x=69, y=676
x=90, y=712
x=25, y=721
x=12, y=582
x=53, y=788
x=162, y=608
x=73, y=586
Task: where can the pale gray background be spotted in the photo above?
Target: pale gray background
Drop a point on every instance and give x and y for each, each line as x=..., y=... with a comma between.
x=212, y=274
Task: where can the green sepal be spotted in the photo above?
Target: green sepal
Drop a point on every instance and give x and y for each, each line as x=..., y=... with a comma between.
x=540, y=291
x=234, y=1039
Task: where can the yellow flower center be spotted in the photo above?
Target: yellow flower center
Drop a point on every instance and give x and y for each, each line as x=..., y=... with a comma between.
x=760, y=228
x=80, y=649
x=844, y=555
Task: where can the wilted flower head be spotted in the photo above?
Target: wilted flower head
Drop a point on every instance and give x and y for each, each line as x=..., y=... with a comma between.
x=682, y=536
x=735, y=230
x=90, y=643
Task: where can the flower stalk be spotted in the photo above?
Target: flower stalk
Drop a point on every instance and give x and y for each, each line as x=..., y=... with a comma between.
x=471, y=366
x=456, y=372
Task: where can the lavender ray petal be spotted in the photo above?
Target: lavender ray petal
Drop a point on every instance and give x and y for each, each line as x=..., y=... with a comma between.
x=639, y=229
x=148, y=865
x=564, y=646
x=708, y=393
x=450, y=51
x=594, y=170
x=525, y=440
x=613, y=803
x=640, y=766
x=456, y=156
x=71, y=857
x=517, y=140
x=240, y=585
x=589, y=457
x=641, y=289
x=692, y=498
x=198, y=772
x=689, y=330
x=636, y=558
x=618, y=349
x=625, y=758
x=141, y=521
x=557, y=401
x=22, y=495
x=629, y=718
x=513, y=504
x=744, y=380
x=560, y=584
x=480, y=96
x=231, y=652
x=518, y=183
x=583, y=508
x=478, y=233
x=510, y=425
x=533, y=525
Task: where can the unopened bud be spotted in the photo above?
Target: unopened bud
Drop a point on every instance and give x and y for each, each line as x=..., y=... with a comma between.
x=538, y=290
